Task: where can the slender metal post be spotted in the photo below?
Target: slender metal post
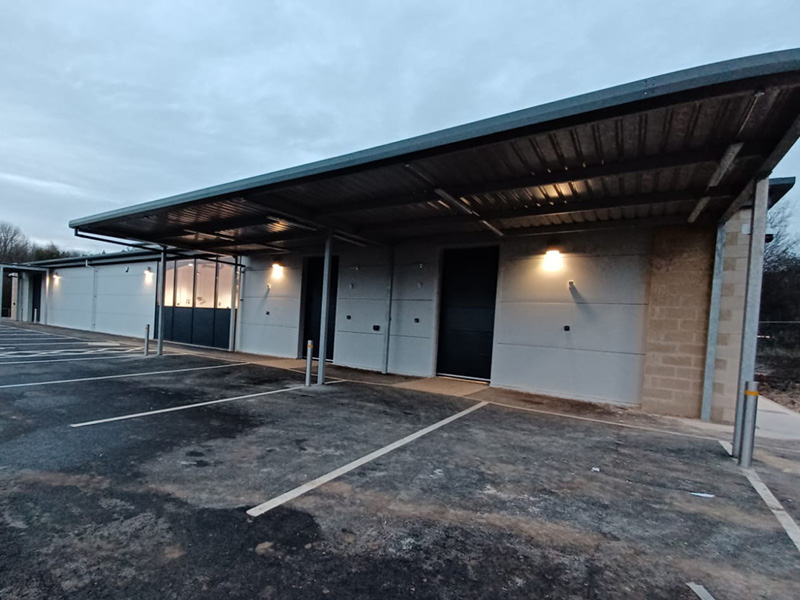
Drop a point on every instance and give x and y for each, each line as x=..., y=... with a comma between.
x=388, y=338
x=147, y=340
x=46, y=300
x=35, y=315
x=162, y=272
x=2, y=281
x=749, y=424
x=16, y=293
x=323, y=321
x=713, y=324
x=309, y=361
x=234, y=304
x=755, y=268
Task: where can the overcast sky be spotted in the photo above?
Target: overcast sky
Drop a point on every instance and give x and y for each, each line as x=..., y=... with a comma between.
x=104, y=104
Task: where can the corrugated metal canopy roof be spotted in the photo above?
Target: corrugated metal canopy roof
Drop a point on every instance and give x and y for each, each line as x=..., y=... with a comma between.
x=686, y=146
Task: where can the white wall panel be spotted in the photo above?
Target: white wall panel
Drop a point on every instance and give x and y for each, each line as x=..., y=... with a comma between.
x=601, y=357
x=363, y=295
x=126, y=299
x=117, y=299
x=265, y=291
x=69, y=303
x=413, y=345
x=569, y=373
x=359, y=350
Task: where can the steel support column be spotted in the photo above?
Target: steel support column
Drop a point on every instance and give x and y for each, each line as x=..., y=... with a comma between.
x=713, y=324
x=755, y=268
x=324, y=310
x=387, y=338
x=234, y=306
x=2, y=281
x=161, y=296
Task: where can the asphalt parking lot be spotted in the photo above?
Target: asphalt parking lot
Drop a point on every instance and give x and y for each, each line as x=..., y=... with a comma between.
x=203, y=476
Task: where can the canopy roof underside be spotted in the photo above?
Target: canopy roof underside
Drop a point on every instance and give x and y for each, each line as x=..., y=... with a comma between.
x=683, y=147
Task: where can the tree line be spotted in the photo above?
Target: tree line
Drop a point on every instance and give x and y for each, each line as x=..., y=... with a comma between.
x=16, y=247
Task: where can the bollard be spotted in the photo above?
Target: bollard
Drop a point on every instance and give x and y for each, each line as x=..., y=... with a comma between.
x=147, y=340
x=309, y=361
x=749, y=424
x=35, y=315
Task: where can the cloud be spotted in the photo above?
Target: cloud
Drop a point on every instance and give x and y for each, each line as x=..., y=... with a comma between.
x=108, y=104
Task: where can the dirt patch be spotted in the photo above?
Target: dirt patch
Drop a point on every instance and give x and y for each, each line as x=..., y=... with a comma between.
x=56, y=479
x=785, y=393
x=384, y=505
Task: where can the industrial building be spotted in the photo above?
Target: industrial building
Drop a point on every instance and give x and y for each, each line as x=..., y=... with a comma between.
x=607, y=248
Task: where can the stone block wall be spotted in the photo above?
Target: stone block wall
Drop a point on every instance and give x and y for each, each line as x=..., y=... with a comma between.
x=729, y=341
x=677, y=324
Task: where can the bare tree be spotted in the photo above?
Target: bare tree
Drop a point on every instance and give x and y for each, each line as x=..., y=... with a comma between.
x=14, y=245
x=784, y=248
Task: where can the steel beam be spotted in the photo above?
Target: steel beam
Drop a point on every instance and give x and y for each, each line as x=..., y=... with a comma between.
x=324, y=310
x=774, y=157
x=755, y=268
x=713, y=324
x=722, y=168
x=557, y=208
x=573, y=175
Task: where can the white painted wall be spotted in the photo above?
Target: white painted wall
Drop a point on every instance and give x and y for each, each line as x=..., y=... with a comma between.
x=117, y=299
x=276, y=333
x=70, y=299
x=601, y=358
x=412, y=348
x=362, y=305
x=125, y=299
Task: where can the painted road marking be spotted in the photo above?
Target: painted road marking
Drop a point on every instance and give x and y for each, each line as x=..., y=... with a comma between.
x=789, y=525
x=701, y=592
x=37, y=336
x=18, y=385
x=15, y=345
x=67, y=352
x=786, y=521
x=185, y=407
x=311, y=485
x=132, y=353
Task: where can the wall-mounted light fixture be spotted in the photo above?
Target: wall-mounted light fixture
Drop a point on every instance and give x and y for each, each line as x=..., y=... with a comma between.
x=56, y=277
x=148, y=275
x=277, y=270
x=553, y=261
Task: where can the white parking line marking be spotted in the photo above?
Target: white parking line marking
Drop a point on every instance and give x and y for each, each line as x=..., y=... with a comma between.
x=185, y=407
x=38, y=336
x=116, y=355
x=58, y=352
x=48, y=343
x=701, y=592
x=786, y=521
x=311, y=485
x=18, y=385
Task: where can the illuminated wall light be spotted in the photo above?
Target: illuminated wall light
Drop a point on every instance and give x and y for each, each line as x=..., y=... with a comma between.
x=56, y=277
x=148, y=275
x=553, y=261
x=277, y=270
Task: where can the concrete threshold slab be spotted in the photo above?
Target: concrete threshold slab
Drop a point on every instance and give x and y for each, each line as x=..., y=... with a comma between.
x=445, y=385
